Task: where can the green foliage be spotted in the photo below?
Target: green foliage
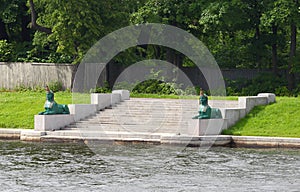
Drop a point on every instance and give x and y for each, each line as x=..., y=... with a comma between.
x=239, y=33
x=124, y=85
x=6, y=51
x=264, y=83
x=55, y=86
x=154, y=86
x=103, y=89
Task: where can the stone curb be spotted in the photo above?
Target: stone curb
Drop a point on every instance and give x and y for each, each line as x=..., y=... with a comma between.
x=274, y=142
x=215, y=140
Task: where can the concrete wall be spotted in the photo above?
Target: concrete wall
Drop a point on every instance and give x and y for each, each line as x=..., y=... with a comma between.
x=34, y=74
x=39, y=74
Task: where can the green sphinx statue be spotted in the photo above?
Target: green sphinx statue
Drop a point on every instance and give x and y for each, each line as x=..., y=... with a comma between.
x=51, y=107
x=205, y=111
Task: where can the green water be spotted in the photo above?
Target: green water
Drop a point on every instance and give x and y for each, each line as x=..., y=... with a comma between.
x=74, y=167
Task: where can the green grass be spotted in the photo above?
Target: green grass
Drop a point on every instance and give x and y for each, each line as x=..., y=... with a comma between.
x=17, y=109
x=281, y=119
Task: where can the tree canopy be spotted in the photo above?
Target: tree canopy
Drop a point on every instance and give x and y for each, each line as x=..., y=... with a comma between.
x=260, y=34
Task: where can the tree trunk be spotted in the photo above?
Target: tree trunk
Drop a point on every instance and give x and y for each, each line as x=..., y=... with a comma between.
x=34, y=25
x=291, y=75
x=274, y=50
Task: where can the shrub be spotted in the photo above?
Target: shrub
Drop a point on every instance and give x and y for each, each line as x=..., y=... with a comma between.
x=265, y=82
x=6, y=51
x=56, y=86
x=282, y=91
x=103, y=89
x=153, y=86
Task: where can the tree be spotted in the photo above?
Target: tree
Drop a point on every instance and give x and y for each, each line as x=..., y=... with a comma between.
x=75, y=25
x=284, y=15
x=34, y=24
x=14, y=19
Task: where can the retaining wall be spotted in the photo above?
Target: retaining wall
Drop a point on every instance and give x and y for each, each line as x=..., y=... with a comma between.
x=232, y=115
x=13, y=75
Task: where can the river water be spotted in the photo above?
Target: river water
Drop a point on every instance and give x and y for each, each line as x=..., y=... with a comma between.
x=140, y=167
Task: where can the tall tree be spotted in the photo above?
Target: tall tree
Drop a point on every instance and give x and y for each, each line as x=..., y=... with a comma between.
x=14, y=19
x=284, y=15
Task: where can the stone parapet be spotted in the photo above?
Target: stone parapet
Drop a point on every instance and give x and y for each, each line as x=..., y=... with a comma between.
x=52, y=122
x=207, y=127
x=125, y=95
x=102, y=100
x=81, y=111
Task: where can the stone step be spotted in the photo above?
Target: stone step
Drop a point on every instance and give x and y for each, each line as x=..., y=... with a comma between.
x=106, y=134
x=134, y=128
x=137, y=117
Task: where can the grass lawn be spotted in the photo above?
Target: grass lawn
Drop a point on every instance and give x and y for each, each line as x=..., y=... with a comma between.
x=17, y=109
x=281, y=119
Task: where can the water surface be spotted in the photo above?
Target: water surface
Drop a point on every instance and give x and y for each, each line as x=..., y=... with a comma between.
x=140, y=167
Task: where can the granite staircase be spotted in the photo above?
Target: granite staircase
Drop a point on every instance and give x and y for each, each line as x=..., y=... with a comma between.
x=137, y=118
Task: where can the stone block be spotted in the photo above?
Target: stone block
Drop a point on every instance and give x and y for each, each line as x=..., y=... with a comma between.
x=10, y=133
x=125, y=95
x=233, y=115
x=271, y=97
x=251, y=101
x=207, y=127
x=31, y=135
x=51, y=122
x=103, y=100
x=81, y=111
x=115, y=98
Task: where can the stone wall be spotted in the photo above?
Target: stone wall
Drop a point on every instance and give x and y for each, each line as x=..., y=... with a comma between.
x=39, y=74
x=13, y=75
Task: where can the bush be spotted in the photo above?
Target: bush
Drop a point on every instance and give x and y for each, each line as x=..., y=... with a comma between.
x=282, y=91
x=55, y=86
x=153, y=86
x=6, y=51
x=103, y=89
x=263, y=83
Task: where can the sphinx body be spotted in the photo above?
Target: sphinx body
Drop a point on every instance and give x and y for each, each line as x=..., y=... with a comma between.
x=205, y=111
x=51, y=107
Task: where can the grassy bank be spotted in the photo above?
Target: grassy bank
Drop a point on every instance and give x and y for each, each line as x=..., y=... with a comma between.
x=17, y=109
x=281, y=119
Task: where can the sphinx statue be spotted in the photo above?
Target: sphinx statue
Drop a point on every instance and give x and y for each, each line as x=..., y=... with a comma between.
x=51, y=107
x=205, y=111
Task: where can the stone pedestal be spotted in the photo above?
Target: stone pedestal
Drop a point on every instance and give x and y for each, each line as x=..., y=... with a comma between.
x=81, y=111
x=102, y=100
x=207, y=127
x=124, y=94
x=51, y=122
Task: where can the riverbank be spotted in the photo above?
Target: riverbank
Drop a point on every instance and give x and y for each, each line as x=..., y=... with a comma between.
x=168, y=139
x=18, y=110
